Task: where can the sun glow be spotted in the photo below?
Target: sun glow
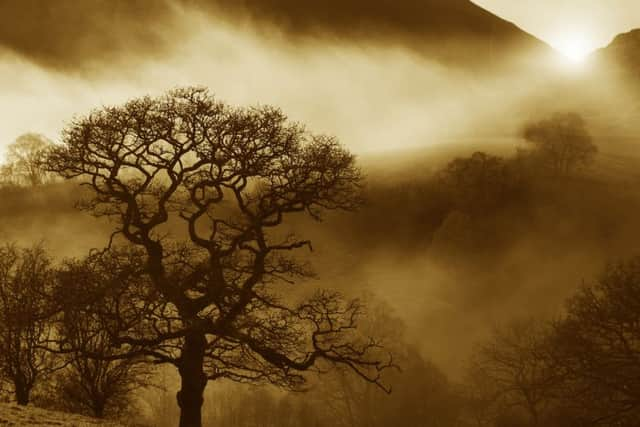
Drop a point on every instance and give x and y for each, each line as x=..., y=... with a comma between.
x=575, y=47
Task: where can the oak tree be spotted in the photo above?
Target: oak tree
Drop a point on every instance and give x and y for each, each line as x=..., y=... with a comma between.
x=203, y=189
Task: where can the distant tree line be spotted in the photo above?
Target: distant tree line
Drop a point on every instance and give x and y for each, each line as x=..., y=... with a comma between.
x=556, y=148
x=463, y=207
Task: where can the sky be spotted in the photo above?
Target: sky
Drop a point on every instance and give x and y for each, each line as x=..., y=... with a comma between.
x=92, y=56
x=590, y=24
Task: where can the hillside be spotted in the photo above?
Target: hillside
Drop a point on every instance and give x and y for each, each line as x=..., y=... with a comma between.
x=624, y=51
x=454, y=31
x=14, y=415
x=80, y=34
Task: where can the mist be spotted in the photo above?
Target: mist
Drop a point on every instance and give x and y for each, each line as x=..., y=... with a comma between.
x=322, y=82
x=409, y=90
x=404, y=121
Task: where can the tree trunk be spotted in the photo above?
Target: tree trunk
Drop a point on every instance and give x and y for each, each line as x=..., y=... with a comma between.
x=193, y=380
x=22, y=390
x=98, y=409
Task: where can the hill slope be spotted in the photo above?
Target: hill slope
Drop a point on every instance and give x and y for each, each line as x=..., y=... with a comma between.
x=624, y=51
x=453, y=30
x=82, y=33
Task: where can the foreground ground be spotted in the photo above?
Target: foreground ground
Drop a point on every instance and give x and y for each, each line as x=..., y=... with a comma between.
x=14, y=415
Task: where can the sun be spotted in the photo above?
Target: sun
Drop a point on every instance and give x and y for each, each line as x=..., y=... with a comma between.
x=575, y=47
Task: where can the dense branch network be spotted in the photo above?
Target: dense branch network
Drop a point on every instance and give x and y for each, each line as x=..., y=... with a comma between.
x=199, y=189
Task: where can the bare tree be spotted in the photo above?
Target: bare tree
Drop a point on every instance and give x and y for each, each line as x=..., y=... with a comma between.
x=93, y=381
x=512, y=371
x=202, y=188
x=597, y=345
x=25, y=161
x=25, y=282
x=422, y=394
x=561, y=143
x=351, y=403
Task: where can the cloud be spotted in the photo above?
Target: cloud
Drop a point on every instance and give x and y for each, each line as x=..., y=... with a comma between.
x=68, y=35
x=84, y=35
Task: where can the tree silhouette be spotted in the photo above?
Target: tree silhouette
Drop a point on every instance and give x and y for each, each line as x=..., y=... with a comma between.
x=94, y=381
x=25, y=281
x=202, y=188
x=478, y=182
x=597, y=345
x=512, y=372
x=25, y=161
x=561, y=143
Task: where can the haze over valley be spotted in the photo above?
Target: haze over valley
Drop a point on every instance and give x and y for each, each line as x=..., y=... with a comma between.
x=462, y=178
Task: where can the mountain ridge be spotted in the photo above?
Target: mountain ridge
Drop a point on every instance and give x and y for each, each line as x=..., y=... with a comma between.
x=455, y=30
x=83, y=33
x=623, y=52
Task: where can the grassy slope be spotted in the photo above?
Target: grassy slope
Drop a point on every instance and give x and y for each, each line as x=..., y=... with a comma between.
x=13, y=415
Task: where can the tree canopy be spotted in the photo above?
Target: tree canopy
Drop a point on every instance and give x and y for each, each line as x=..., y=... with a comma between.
x=25, y=161
x=199, y=188
x=562, y=142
